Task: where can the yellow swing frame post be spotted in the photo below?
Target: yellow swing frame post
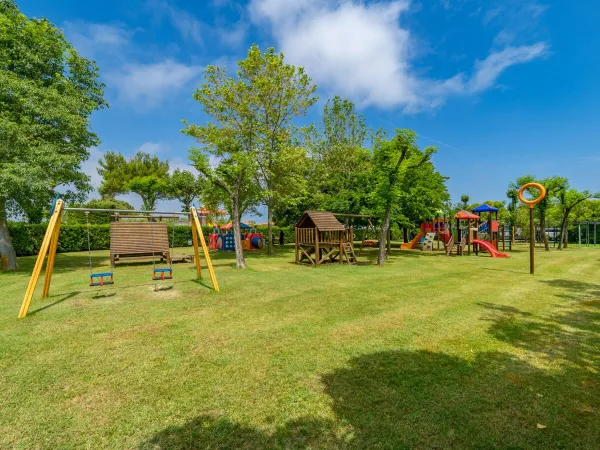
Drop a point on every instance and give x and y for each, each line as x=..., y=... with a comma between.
x=48, y=247
x=197, y=232
x=50, y=243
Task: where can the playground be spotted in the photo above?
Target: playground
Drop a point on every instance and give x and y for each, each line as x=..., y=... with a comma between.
x=427, y=351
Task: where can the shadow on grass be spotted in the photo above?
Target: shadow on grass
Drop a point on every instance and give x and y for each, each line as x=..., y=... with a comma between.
x=421, y=399
x=62, y=298
x=570, y=333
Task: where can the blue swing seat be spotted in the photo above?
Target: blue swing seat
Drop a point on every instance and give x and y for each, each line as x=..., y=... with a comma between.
x=102, y=282
x=165, y=274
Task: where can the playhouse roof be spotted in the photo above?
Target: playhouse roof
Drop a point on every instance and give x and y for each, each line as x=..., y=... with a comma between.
x=323, y=220
x=484, y=208
x=243, y=226
x=465, y=215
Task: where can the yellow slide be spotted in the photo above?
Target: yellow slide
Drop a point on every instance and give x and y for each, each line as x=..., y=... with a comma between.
x=412, y=244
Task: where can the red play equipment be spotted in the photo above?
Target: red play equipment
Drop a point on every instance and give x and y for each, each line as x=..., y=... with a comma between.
x=437, y=226
x=490, y=249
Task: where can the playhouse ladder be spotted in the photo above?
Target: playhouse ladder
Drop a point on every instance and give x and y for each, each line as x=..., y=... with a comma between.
x=349, y=253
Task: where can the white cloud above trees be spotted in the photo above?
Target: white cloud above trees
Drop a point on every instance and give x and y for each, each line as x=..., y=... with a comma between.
x=362, y=51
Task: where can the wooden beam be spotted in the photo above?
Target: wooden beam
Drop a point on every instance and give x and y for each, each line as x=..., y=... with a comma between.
x=196, y=250
x=51, y=258
x=39, y=263
x=200, y=234
x=307, y=255
x=317, y=249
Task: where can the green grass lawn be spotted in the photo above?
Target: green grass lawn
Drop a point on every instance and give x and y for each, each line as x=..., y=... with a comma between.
x=426, y=352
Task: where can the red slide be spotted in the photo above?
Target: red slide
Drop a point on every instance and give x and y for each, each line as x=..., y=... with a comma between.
x=491, y=249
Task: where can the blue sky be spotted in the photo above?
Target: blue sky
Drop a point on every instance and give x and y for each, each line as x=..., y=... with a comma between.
x=503, y=88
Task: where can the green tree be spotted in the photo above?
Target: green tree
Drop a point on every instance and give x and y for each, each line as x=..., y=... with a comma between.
x=276, y=93
x=341, y=171
x=464, y=200
x=47, y=94
x=393, y=161
x=569, y=200
x=231, y=139
x=113, y=169
x=185, y=187
x=424, y=196
x=151, y=188
x=144, y=174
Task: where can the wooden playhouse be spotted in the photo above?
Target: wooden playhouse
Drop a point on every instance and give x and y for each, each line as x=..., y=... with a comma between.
x=320, y=237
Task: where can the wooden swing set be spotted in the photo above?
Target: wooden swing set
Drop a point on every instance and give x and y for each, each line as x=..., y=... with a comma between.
x=50, y=243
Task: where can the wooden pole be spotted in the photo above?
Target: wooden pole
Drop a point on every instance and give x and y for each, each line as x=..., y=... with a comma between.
x=196, y=250
x=317, y=249
x=51, y=258
x=341, y=246
x=200, y=234
x=39, y=263
x=531, y=242
x=296, y=241
x=469, y=244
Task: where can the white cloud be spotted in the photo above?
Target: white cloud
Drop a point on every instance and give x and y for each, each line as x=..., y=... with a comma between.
x=147, y=85
x=232, y=35
x=186, y=23
x=91, y=39
x=152, y=148
x=487, y=71
x=361, y=51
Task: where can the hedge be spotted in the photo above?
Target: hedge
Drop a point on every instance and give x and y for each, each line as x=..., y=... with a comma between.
x=27, y=238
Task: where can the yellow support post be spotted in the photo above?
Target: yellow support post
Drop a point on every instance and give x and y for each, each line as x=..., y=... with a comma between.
x=196, y=221
x=37, y=269
x=51, y=258
x=196, y=250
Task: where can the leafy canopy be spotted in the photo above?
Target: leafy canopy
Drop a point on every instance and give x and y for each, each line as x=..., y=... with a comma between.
x=47, y=94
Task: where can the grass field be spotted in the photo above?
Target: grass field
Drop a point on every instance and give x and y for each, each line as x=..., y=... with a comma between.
x=426, y=352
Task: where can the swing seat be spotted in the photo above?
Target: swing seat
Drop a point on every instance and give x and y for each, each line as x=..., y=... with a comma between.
x=102, y=282
x=163, y=274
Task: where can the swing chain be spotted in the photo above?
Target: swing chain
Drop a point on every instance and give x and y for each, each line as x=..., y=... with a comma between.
x=87, y=220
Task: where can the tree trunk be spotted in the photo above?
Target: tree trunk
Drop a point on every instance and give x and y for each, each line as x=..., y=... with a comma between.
x=240, y=262
x=7, y=251
x=543, y=231
x=385, y=226
x=405, y=232
x=269, y=227
x=566, y=243
x=563, y=229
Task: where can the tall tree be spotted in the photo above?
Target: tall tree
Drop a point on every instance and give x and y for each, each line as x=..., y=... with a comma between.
x=112, y=167
x=47, y=94
x=393, y=161
x=150, y=188
x=570, y=199
x=341, y=164
x=230, y=138
x=144, y=174
x=276, y=93
x=464, y=201
x=185, y=187
x=424, y=196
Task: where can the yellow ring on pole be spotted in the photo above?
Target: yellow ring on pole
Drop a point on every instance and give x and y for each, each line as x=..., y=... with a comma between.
x=535, y=201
